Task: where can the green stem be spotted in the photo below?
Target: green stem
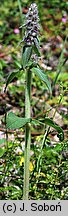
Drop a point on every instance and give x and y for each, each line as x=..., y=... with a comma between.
x=20, y=8
x=27, y=135
x=42, y=147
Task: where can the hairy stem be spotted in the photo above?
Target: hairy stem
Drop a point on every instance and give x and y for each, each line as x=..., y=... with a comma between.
x=27, y=135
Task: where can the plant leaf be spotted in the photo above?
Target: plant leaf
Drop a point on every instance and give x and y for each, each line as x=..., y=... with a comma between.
x=14, y=122
x=36, y=122
x=2, y=151
x=11, y=77
x=49, y=122
x=26, y=54
x=36, y=46
x=42, y=76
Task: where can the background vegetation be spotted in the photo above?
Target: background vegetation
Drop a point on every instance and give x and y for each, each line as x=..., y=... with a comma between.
x=49, y=168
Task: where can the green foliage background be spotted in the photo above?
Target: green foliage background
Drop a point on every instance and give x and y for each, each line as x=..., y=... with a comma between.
x=49, y=180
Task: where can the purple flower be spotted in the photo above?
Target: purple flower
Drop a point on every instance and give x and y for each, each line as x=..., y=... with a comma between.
x=16, y=31
x=31, y=25
x=64, y=19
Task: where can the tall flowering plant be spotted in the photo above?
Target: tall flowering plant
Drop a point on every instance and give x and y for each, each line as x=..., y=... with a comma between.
x=30, y=54
x=30, y=43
